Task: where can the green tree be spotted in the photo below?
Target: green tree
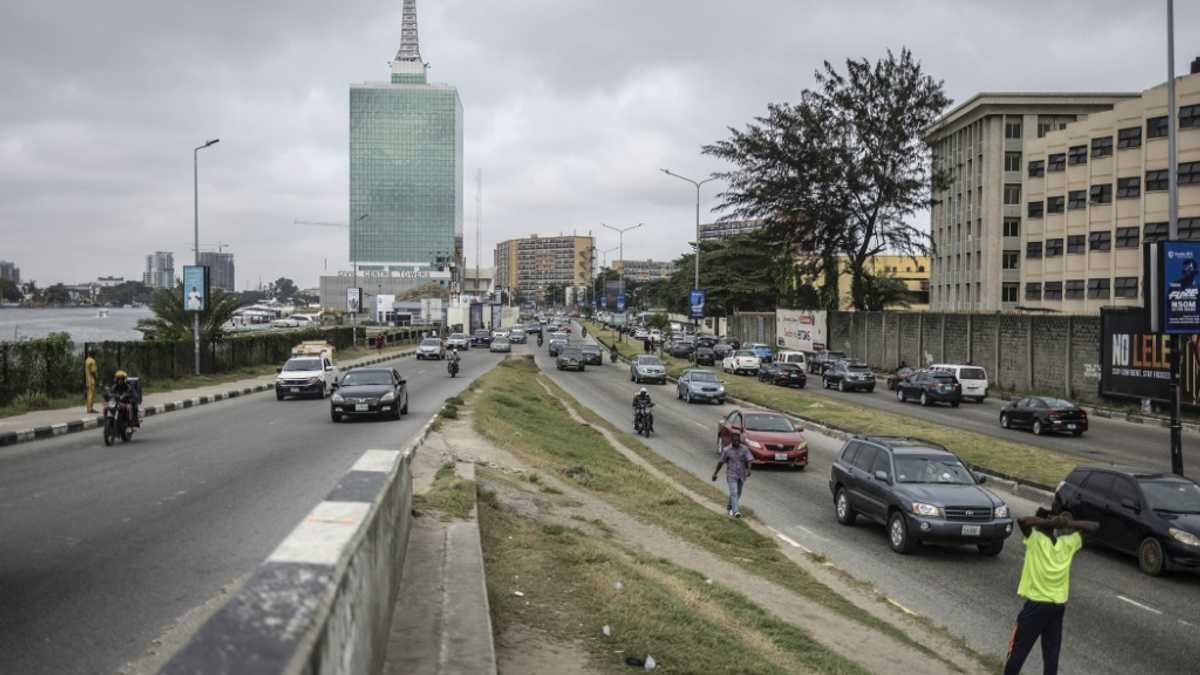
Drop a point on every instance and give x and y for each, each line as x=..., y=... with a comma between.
x=283, y=289
x=126, y=294
x=884, y=291
x=9, y=291
x=555, y=294
x=57, y=295
x=171, y=323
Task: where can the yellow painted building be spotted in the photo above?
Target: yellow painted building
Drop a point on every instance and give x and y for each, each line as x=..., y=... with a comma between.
x=913, y=271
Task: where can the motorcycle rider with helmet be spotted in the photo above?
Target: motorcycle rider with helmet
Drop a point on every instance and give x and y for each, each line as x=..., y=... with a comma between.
x=124, y=392
x=642, y=402
x=453, y=365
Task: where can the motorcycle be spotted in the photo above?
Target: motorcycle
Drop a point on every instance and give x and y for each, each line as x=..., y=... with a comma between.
x=583, y=332
x=452, y=367
x=643, y=420
x=612, y=355
x=118, y=419
x=539, y=339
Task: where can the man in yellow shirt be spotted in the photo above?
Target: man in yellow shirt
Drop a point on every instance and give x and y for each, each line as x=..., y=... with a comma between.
x=89, y=379
x=1051, y=542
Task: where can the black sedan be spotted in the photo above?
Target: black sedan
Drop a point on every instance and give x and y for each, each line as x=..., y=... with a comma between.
x=592, y=355
x=680, y=349
x=1044, y=415
x=784, y=374
x=570, y=358
x=1153, y=516
x=929, y=387
x=369, y=392
x=481, y=337
x=705, y=356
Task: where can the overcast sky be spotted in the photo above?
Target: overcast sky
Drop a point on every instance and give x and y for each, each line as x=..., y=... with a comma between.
x=571, y=107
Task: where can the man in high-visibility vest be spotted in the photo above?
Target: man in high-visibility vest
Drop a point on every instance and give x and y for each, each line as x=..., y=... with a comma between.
x=89, y=378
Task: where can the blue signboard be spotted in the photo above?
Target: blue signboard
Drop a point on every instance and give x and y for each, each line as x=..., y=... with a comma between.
x=696, y=304
x=195, y=288
x=1181, y=287
x=620, y=302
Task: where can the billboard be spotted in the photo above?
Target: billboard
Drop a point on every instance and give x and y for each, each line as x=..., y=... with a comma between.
x=696, y=304
x=1135, y=363
x=354, y=300
x=621, y=302
x=801, y=330
x=476, y=316
x=195, y=288
x=1181, y=293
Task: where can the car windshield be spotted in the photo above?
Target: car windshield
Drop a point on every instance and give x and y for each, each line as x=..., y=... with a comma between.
x=302, y=364
x=703, y=376
x=367, y=377
x=944, y=378
x=834, y=356
x=1056, y=403
x=431, y=342
x=946, y=470
x=572, y=353
x=743, y=352
x=1176, y=496
x=971, y=374
x=787, y=366
x=858, y=367
x=777, y=423
x=457, y=336
x=482, y=333
x=590, y=348
x=648, y=361
x=500, y=341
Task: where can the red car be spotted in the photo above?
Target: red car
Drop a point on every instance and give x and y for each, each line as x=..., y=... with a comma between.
x=771, y=437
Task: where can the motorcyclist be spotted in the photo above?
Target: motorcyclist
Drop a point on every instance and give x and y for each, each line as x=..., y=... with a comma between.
x=539, y=338
x=612, y=353
x=583, y=331
x=453, y=361
x=642, y=401
x=124, y=392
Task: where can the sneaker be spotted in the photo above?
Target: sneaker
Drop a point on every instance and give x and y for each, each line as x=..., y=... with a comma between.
x=738, y=514
x=729, y=513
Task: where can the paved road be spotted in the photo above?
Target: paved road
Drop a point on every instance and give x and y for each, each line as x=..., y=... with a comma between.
x=101, y=549
x=975, y=596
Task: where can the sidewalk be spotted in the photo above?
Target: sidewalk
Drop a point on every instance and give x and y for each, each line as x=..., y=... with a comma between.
x=48, y=423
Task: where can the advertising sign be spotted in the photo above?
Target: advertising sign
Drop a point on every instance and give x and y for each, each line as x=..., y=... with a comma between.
x=195, y=288
x=1181, y=290
x=800, y=330
x=696, y=304
x=1135, y=363
x=620, y=302
x=354, y=300
x=476, y=316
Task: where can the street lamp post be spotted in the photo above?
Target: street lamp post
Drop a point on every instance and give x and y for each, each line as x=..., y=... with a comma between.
x=621, y=250
x=696, y=183
x=196, y=241
x=1177, y=344
x=354, y=284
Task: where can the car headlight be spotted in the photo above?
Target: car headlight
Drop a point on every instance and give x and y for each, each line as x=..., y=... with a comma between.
x=1001, y=511
x=926, y=510
x=1185, y=538
x=754, y=444
x=336, y=398
x=388, y=397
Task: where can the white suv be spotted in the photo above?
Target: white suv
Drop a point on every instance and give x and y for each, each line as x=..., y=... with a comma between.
x=973, y=379
x=307, y=375
x=741, y=361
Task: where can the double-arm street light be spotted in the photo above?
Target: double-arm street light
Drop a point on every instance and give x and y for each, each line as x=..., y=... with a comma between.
x=697, y=184
x=196, y=234
x=621, y=247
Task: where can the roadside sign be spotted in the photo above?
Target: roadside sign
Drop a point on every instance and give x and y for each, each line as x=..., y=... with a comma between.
x=1179, y=262
x=620, y=302
x=353, y=300
x=195, y=288
x=696, y=304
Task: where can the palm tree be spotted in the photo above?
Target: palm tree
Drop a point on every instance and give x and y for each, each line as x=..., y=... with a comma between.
x=171, y=323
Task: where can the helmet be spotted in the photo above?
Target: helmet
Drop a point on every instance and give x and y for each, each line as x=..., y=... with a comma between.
x=120, y=375
x=642, y=391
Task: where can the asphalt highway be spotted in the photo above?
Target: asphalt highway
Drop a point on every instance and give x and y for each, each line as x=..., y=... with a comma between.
x=1118, y=620
x=104, y=548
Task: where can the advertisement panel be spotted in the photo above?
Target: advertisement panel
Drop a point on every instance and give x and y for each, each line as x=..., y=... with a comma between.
x=621, y=302
x=696, y=304
x=1135, y=363
x=1181, y=294
x=195, y=288
x=353, y=300
x=801, y=330
x=476, y=316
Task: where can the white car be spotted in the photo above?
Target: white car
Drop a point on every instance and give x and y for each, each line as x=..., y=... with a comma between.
x=458, y=341
x=973, y=379
x=500, y=334
x=640, y=334
x=306, y=375
x=741, y=361
x=797, y=358
x=656, y=335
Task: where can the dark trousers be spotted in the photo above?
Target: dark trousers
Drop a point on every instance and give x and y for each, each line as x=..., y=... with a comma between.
x=1037, y=620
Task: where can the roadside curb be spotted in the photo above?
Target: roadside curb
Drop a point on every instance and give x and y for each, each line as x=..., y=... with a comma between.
x=83, y=424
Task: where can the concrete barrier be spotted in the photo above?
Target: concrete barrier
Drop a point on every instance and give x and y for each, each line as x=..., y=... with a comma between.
x=322, y=602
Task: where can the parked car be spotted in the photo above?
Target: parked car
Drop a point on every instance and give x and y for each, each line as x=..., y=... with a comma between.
x=771, y=437
x=741, y=361
x=458, y=341
x=555, y=346
x=724, y=348
x=706, y=341
x=920, y=491
x=517, y=336
x=764, y=352
x=641, y=334
x=592, y=354
x=797, y=358
x=481, y=337
x=705, y=356
x=1044, y=415
x=646, y=367
x=784, y=374
x=820, y=360
x=369, y=392
x=500, y=345
x=680, y=349
x=695, y=384
x=973, y=379
x=894, y=378
x=1151, y=515
x=306, y=375
x=929, y=387
x=849, y=376
x=431, y=348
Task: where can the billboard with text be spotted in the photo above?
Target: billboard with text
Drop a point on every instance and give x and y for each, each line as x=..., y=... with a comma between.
x=801, y=330
x=1135, y=363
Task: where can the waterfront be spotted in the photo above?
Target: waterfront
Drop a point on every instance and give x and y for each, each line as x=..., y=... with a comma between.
x=83, y=323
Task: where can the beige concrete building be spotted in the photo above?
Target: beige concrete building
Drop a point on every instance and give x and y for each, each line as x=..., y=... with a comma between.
x=525, y=267
x=728, y=228
x=977, y=217
x=644, y=270
x=1094, y=191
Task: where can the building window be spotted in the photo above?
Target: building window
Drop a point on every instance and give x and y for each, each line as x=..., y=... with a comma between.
x=1033, y=249
x=1189, y=117
x=1056, y=162
x=1054, y=248
x=1011, y=260
x=1035, y=209
x=1130, y=137
x=1128, y=188
x=1189, y=173
x=1078, y=154
x=1127, y=237
x=1008, y=292
x=1097, y=289
x=1012, y=227
x=1077, y=199
x=1102, y=147
x=1074, y=289
x=1012, y=161
x=1156, y=127
x=1033, y=291
x=1126, y=287
x=1012, y=193
x=1156, y=180
x=1076, y=244
x=1101, y=194
x=1153, y=232
x=1012, y=128
x=1189, y=228
x=1099, y=241
x=1056, y=204
x=1053, y=291
x=1037, y=168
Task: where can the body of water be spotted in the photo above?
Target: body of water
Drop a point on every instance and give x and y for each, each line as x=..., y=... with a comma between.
x=83, y=323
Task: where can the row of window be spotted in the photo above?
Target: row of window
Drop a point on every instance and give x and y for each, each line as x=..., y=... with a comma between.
x=1129, y=187
x=1127, y=138
x=1077, y=289
x=1126, y=237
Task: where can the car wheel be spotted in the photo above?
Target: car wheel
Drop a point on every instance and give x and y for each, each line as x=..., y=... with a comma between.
x=1038, y=430
x=1150, y=557
x=335, y=417
x=841, y=506
x=954, y=404
x=688, y=396
x=924, y=399
x=899, y=394
x=396, y=412
x=278, y=396
x=841, y=385
x=898, y=533
x=1004, y=421
x=1076, y=433
x=991, y=548
x=404, y=410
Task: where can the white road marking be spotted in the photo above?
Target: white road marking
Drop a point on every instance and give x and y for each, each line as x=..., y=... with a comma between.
x=1135, y=603
x=809, y=532
x=901, y=607
x=792, y=542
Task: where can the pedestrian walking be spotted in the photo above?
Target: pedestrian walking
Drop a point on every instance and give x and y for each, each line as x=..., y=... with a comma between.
x=735, y=457
x=89, y=381
x=1051, y=542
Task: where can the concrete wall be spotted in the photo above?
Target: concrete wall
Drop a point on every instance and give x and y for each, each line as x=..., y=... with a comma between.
x=752, y=327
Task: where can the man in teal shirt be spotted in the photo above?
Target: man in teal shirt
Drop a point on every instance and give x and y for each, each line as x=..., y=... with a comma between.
x=1051, y=542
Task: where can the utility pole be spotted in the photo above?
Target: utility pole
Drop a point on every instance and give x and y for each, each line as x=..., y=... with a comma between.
x=621, y=248
x=196, y=241
x=1173, y=233
x=478, y=221
x=697, y=184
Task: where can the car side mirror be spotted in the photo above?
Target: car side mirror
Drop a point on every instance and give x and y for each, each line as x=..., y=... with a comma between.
x=279, y=370
x=980, y=479
x=882, y=477
x=329, y=369
x=403, y=381
x=1129, y=504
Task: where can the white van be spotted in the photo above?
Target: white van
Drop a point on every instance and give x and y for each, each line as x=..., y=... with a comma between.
x=798, y=358
x=973, y=379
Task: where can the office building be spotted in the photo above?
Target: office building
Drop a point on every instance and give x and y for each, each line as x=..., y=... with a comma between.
x=406, y=166
x=1093, y=192
x=912, y=271
x=10, y=272
x=220, y=270
x=525, y=267
x=975, y=217
x=478, y=281
x=644, y=270
x=727, y=228
x=160, y=270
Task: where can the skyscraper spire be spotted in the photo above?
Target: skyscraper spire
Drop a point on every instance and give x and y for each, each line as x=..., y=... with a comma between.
x=410, y=50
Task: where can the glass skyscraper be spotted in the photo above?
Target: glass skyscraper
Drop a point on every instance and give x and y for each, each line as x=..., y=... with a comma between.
x=406, y=166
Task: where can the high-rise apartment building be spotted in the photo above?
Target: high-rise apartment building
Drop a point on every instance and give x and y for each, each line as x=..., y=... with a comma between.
x=644, y=270
x=1094, y=191
x=977, y=216
x=10, y=272
x=220, y=270
x=160, y=270
x=525, y=267
x=406, y=166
